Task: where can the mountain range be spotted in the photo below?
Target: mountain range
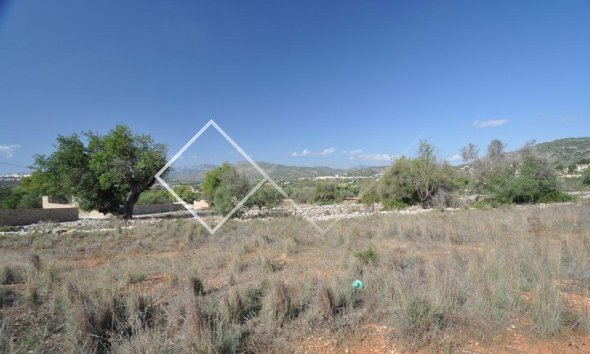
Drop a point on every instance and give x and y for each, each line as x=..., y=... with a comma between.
x=562, y=152
x=277, y=172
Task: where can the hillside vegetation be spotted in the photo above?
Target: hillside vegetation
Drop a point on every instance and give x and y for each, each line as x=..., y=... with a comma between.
x=566, y=151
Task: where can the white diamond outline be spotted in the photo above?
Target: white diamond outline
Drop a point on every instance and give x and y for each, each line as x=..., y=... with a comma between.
x=266, y=178
x=181, y=201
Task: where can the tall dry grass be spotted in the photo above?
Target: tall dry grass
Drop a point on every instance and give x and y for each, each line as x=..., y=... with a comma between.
x=440, y=279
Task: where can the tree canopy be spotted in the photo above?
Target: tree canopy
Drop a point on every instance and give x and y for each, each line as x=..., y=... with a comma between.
x=107, y=174
x=416, y=180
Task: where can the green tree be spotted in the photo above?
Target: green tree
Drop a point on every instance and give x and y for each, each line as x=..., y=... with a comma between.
x=523, y=177
x=186, y=193
x=107, y=174
x=20, y=197
x=212, y=181
x=233, y=187
x=265, y=196
x=369, y=194
x=325, y=193
x=412, y=181
x=423, y=172
x=394, y=185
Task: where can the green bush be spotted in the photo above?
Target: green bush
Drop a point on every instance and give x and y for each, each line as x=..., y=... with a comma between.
x=186, y=193
x=417, y=181
x=212, y=181
x=7, y=297
x=369, y=194
x=20, y=197
x=302, y=194
x=265, y=196
x=586, y=176
x=233, y=187
x=532, y=180
x=522, y=178
x=556, y=197
x=394, y=204
x=155, y=197
x=326, y=193
x=368, y=256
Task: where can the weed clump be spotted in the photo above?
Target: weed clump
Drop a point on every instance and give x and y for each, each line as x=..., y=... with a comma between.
x=368, y=256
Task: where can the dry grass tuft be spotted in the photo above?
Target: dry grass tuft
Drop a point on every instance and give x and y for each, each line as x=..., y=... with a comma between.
x=35, y=261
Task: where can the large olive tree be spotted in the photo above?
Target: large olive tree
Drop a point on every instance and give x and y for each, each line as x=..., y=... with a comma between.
x=106, y=172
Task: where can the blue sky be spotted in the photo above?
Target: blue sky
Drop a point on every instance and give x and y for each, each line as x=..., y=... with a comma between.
x=337, y=83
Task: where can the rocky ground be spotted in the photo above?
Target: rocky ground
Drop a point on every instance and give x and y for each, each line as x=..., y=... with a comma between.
x=309, y=212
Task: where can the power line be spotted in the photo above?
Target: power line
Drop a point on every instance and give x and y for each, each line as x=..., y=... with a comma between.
x=11, y=164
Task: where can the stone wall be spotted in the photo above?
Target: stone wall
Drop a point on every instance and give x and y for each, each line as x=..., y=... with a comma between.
x=15, y=217
x=156, y=208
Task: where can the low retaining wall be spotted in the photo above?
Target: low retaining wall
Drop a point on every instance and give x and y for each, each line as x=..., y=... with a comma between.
x=16, y=217
x=156, y=208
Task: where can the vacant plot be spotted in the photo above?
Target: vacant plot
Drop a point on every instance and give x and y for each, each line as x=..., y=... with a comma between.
x=503, y=280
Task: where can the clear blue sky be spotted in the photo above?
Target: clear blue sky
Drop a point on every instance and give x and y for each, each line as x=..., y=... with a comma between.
x=321, y=80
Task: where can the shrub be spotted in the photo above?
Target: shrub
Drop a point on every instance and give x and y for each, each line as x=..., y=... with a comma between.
x=155, y=197
x=186, y=193
x=414, y=181
x=21, y=197
x=394, y=204
x=94, y=318
x=302, y=194
x=232, y=188
x=520, y=178
x=35, y=261
x=7, y=297
x=369, y=193
x=277, y=304
x=133, y=278
x=368, y=256
x=325, y=193
x=325, y=303
x=420, y=317
x=212, y=181
x=265, y=196
x=9, y=276
x=586, y=176
x=556, y=197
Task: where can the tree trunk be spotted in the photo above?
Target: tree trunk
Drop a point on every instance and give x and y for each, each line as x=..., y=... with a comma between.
x=130, y=202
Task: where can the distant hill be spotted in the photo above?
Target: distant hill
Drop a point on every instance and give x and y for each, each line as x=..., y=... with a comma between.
x=189, y=173
x=275, y=171
x=566, y=151
x=562, y=152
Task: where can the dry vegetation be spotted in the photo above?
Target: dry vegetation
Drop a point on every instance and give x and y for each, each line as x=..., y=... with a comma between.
x=444, y=281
